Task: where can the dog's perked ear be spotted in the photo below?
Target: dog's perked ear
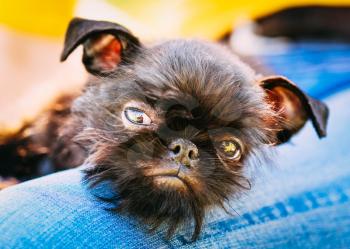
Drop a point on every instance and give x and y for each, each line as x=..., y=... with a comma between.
x=106, y=44
x=293, y=108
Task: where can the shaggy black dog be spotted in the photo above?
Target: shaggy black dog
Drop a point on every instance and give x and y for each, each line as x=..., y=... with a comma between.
x=171, y=126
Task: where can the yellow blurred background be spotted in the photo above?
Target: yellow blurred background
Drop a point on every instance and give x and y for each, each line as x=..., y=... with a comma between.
x=169, y=18
x=31, y=38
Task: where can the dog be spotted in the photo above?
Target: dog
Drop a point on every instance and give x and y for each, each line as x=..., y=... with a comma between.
x=171, y=125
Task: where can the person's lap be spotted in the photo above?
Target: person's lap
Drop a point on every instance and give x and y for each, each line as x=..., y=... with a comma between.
x=302, y=201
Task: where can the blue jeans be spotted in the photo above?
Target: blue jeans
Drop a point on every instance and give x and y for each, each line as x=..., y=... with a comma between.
x=303, y=201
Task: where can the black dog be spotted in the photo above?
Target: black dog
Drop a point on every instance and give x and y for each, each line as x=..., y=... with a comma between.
x=170, y=125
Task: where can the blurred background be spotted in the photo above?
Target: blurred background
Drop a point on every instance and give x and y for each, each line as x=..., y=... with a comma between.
x=265, y=33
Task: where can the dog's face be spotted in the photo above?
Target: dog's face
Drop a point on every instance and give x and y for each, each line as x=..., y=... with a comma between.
x=172, y=126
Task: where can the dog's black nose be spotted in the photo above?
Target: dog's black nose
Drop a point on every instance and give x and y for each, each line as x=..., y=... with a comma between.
x=184, y=151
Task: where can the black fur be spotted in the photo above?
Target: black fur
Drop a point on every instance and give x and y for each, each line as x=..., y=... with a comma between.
x=222, y=96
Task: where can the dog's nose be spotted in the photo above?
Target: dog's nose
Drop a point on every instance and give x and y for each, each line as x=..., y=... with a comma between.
x=184, y=151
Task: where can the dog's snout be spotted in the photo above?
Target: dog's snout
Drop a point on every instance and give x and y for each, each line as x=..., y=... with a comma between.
x=184, y=151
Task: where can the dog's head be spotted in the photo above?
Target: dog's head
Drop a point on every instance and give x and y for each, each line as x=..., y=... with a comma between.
x=172, y=125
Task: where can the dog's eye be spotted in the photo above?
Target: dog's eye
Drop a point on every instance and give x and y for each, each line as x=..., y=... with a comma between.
x=137, y=116
x=230, y=149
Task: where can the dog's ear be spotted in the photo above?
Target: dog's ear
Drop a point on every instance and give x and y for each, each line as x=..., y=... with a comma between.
x=293, y=108
x=106, y=44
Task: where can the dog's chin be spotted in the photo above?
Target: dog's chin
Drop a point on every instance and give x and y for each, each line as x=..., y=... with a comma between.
x=172, y=177
x=168, y=200
x=179, y=182
x=163, y=195
x=171, y=183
